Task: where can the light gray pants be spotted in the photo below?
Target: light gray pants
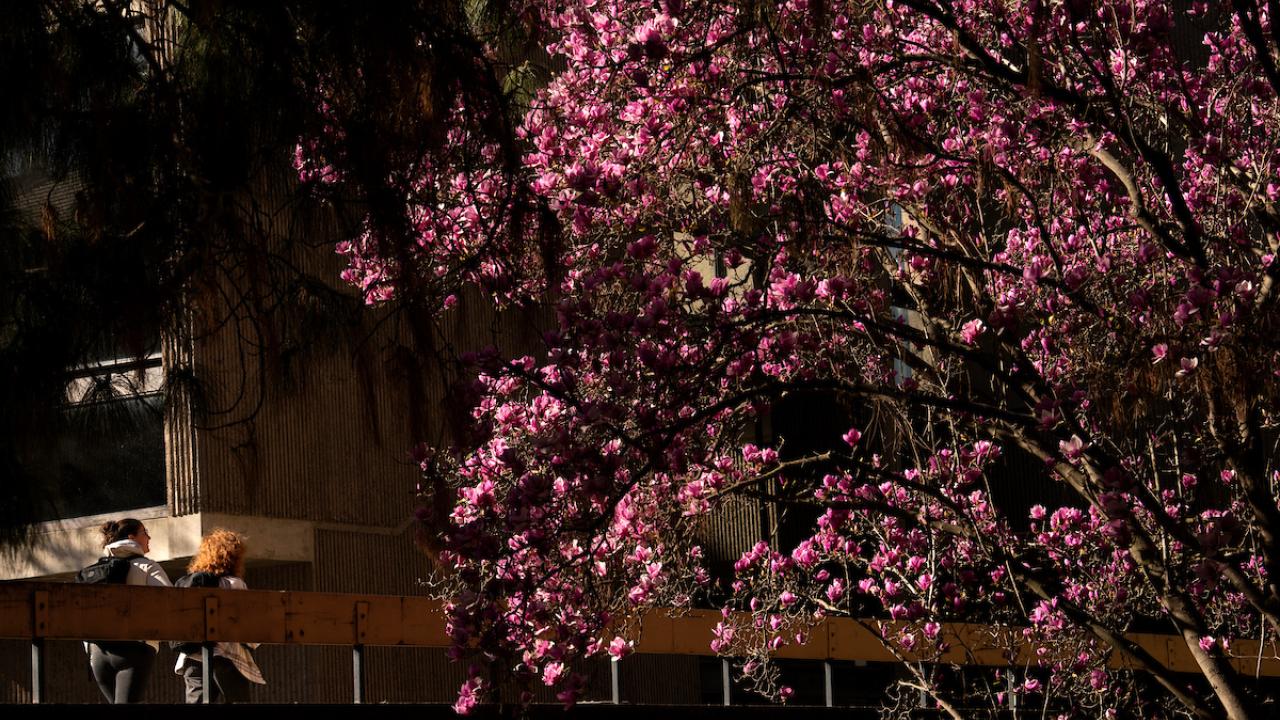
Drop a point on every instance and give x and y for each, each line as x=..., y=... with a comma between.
x=229, y=686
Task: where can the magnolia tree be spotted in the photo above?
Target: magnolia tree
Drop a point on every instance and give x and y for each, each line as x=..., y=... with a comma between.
x=982, y=227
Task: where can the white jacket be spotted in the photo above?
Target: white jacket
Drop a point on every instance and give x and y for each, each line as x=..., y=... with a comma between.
x=142, y=570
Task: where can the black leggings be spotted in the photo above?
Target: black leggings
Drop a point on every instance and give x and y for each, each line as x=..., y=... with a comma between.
x=121, y=669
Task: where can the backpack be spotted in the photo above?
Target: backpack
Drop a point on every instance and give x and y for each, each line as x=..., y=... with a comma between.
x=113, y=570
x=194, y=580
x=199, y=580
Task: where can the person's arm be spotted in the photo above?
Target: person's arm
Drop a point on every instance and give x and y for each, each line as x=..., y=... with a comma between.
x=148, y=572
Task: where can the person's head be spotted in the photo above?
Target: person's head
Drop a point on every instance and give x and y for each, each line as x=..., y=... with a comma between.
x=126, y=529
x=221, y=553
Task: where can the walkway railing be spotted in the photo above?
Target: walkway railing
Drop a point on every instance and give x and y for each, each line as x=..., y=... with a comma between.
x=39, y=611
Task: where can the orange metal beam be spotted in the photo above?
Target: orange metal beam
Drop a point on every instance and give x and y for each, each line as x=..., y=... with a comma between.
x=119, y=612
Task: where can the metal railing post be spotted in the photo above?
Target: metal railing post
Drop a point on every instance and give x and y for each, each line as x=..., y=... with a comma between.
x=206, y=649
x=206, y=673
x=357, y=674
x=357, y=653
x=726, y=680
x=37, y=670
x=827, y=684
x=39, y=628
x=613, y=677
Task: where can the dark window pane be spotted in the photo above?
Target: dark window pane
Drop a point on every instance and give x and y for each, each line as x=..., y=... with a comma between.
x=107, y=457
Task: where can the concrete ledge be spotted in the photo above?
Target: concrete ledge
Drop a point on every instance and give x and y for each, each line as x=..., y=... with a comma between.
x=59, y=549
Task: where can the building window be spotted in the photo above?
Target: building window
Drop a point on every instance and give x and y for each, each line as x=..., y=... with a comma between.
x=107, y=454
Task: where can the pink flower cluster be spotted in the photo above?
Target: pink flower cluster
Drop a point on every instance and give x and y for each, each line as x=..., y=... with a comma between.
x=987, y=229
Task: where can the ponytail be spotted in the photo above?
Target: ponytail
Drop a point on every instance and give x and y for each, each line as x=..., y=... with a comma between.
x=117, y=530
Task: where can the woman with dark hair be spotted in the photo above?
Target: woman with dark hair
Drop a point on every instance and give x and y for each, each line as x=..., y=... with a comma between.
x=121, y=667
x=221, y=555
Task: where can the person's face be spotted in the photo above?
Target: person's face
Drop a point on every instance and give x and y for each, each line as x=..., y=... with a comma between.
x=143, y=538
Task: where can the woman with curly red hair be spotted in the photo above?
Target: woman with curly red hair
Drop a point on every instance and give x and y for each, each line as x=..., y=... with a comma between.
x=221, y=555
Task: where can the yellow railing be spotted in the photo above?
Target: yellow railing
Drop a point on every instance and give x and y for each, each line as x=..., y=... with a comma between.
x=39, y=611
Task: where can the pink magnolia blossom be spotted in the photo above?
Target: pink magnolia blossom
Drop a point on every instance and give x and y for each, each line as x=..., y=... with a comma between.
x=724, y=220
x=971, y=331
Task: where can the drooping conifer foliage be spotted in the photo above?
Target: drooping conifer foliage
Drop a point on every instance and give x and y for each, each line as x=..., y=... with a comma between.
x=981, y=231
x=148, y=192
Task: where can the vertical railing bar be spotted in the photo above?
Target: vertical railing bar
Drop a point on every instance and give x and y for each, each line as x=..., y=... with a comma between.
x=357, y=674
x=39, y=628
x=37, y=670
x=827, y=683
x=724, y=677
x=360, y=630
x=212, y=632
x=206, y=673
x=614, y=673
